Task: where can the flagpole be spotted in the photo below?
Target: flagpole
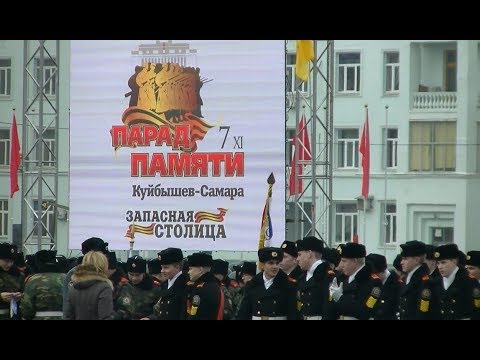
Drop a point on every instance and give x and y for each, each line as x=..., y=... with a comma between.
x=295, y=167
x=365, y=198
x=385, y=221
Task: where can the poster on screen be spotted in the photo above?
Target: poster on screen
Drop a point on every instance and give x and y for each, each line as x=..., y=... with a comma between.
x=172, y=142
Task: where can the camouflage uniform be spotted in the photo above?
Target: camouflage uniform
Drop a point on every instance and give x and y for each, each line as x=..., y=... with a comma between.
x=11, y=281
x=145, y=295
x=43, y=294
x=232, y=296
x=123, y=296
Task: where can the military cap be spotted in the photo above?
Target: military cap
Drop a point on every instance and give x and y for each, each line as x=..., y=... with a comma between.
x=397, y=263
x=154, y=266
x=310, y=243
x=377, y=262
x=185, y=266
x=20, y=260
x=220, y=267
x=7, y=251
x=170, y=256
x=413, y=248
x=94, y=244
x=448, y=251
x=238, y=272
x=45, y=257
x=473, y=258
x=200, y=259
x=270, y=253
x=112, y=260
x=332, y=256
x=249, y=268
x=352, y=251
x=62, y=264
x=290, y=248
x=430, y=249
x=462, y=258
x=137, y=264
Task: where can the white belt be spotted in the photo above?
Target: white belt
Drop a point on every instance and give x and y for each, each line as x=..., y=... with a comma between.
x=316, y=317
x=348, y=318
x=49, y=313
x=4, y=311
x=269, y=318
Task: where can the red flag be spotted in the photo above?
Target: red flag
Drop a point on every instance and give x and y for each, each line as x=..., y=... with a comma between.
x=355, y=238
x=14, y=158
x=303, y=148
x=365, y=151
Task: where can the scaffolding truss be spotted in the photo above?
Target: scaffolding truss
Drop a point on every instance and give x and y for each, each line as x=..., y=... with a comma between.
x=40, y=114
x=316, y=176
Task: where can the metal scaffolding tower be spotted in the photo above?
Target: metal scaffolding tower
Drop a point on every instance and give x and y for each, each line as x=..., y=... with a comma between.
x=39, y=153
x=316, y=176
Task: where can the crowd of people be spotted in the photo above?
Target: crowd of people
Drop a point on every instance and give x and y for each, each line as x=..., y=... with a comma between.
x=302, y=280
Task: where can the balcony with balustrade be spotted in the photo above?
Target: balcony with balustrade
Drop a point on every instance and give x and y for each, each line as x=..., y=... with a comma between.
x=433, y=77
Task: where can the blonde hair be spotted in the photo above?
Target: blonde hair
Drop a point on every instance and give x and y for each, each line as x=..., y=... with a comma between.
x=96, y=259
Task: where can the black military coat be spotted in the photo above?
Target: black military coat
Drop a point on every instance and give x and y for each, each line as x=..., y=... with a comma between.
x=205, y=300
x=280, y=299
x=313, y=294
x=419, y=299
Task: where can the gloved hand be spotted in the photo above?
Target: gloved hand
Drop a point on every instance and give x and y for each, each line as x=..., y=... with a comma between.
x=336, y=291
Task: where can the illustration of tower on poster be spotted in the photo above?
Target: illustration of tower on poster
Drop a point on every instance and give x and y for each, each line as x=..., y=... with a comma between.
x=166, y=52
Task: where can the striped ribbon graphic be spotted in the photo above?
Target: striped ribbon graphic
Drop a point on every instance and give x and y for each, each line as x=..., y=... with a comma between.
x=198, y=126
x=133, y=229
x=203, y=215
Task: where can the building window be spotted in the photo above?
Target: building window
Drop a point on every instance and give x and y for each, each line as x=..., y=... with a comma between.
x=4, y=147
x=5, y=77
x=48, y=220
x=346, y=219
x=3, y=218
x=442, y=235
x=392, y=147
x=348, y=72
x=48, y=148
x=49, y=75
x=389, y=223
x=450, y=77
x=347, y=149
x=292, y=85
x=392, y=71
x=432, y=146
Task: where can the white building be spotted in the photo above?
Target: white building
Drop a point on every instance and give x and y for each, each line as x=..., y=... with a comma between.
x=433, y=182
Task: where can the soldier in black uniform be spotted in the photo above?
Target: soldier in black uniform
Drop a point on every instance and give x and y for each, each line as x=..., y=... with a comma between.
x=418, y=294
x=271, y=294
x=205, y=299
x=432, y=264
x=397, y=267
x=155, y=270
x=249, y=270
x=387, y=307
x=458, y=289
x=315, y=282
x=357, y=296
x=289, y=263
x=173, y=296
x=473, y=268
